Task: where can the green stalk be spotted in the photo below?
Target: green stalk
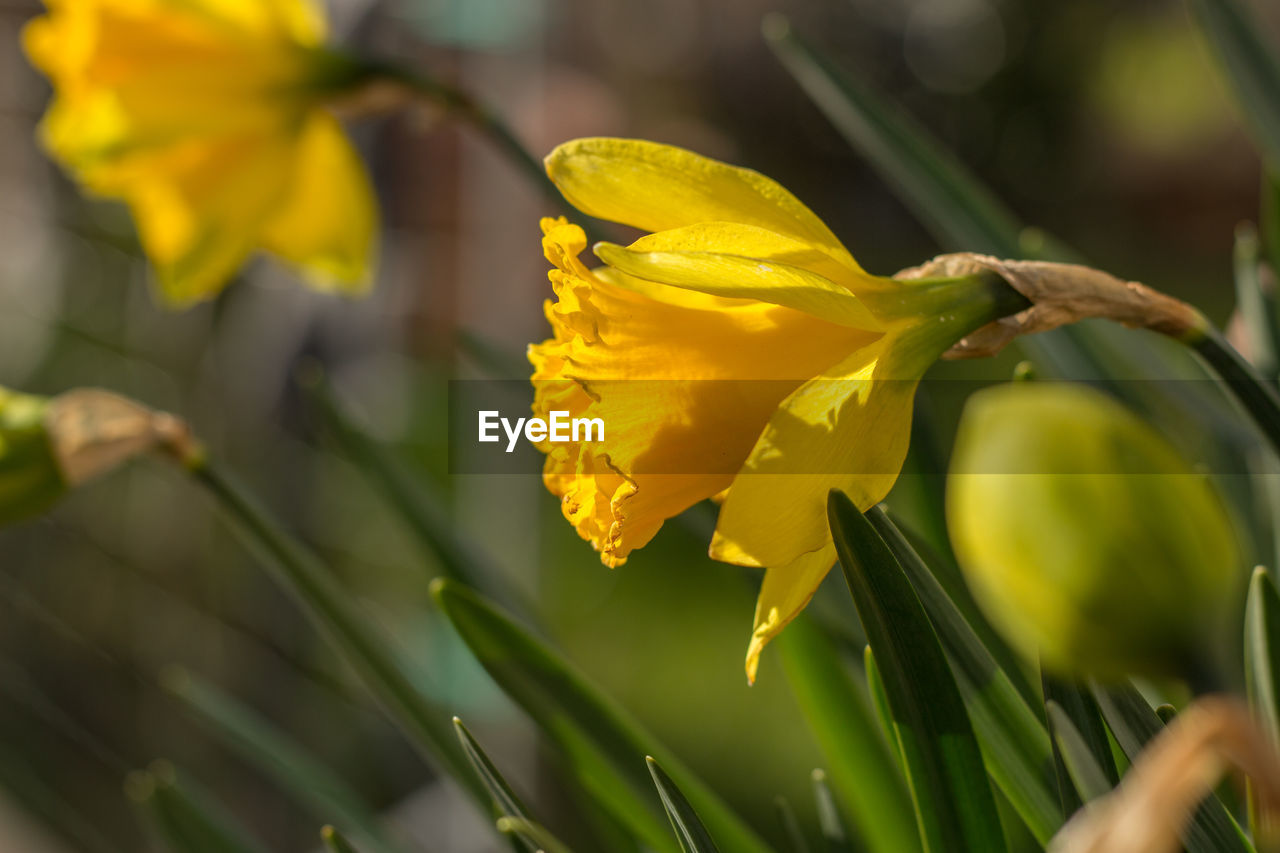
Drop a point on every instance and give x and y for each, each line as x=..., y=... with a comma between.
x=1258, y=397
x=461, y=105
x=331, y=609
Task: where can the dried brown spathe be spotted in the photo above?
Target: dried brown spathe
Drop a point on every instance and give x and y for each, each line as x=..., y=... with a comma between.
x=1153, y=805
x=1060, y=294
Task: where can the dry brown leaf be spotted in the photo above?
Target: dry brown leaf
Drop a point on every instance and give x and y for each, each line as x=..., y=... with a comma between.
x=1060, y=294
x=1154, y=803
x=92, y=431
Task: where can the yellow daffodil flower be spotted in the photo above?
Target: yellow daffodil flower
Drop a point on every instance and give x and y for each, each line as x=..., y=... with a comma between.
x=737, y=351
x=207, y=117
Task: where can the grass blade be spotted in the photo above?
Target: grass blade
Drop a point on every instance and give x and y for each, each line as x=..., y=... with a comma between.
x=833, y=829
x=790, y=825
x=850, y=738
x=505, y=801
x=1088, y=777
x=688, y=826
x=952, y=205
x=531, y=834
x=337, y=616
x=1269, y=218
x=880, y=702
x=603, y=744
x=1080, y=708
x=1015, y=745
x=1262, y=648
x=947, y=573
x=310, y=782
x=964, y=215
x=954, y=805
x=423, y=513
x=185, y=821
x=334, y=842
x=1251, y=67
x=1256, y=306
x=1133, y=722
x=1262, y=669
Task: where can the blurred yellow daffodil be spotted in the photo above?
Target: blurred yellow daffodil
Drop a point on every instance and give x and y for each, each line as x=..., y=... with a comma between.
x=737, y=351
x=1086, y=537
x=208, y=118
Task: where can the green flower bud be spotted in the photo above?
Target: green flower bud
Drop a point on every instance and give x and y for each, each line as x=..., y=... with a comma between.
x=50, y=445
x=30, y=479
x=1086, y=538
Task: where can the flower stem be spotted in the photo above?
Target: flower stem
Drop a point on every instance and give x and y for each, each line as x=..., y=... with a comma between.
x=462, y=105
x=331, y=609
x=1258, y=397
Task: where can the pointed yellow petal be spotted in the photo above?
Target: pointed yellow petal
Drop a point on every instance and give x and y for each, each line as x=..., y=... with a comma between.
x=684, y=386
x=848, y=429
x=328, y=226
x=786, y=591
x=751, y=241
x=655, y=187
x=744, y=278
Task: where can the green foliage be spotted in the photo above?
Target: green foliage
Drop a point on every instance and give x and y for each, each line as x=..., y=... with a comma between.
x=1133, y=722
x=855, y=751
x=941, y=758
x=295, y=770
x=605, y=747
x=334, y=842
x=1087, y=775
x=943, y=715
x=1015, y=745
x=184, y=820
x=693, y=836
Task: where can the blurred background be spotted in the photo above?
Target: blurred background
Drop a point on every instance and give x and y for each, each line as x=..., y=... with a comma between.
x=1103, y=122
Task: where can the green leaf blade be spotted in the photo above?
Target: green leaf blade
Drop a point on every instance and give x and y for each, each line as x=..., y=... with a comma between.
x=693, y=836
x=1078, y=706
x=1134, y=723
x=335, y=842
x=944, y=197
x=278, y=757
x=603, y=744
x=849, y=736
x=1250, y=65
x=505, y=801
x=531, y=834
x=185, y=820
x=1262, y=648
x=1088, y=777
x=1015, y=745
x=955, y=808
x=834, y=833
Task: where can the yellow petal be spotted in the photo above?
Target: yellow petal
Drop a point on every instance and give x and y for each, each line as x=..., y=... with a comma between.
x=328, y=226
x=684, y=386
x=130, y=81
x=199, y=218
x=848, y=430
x=751, y=241
x=786, y=591
x=655, y=187
x=744, y=278
x=300, y=21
